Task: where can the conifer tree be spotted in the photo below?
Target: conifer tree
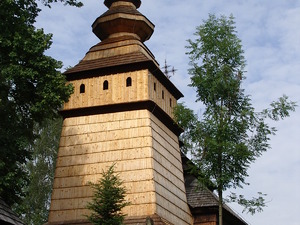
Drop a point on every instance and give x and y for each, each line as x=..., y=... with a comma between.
x=108, y=200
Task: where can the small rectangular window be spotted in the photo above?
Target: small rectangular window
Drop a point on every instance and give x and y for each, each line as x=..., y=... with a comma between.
x=82, y=88
x=105, y=85
x=128, y=82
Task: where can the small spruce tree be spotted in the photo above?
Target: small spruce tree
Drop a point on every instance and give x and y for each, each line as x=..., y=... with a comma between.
x=108, y=200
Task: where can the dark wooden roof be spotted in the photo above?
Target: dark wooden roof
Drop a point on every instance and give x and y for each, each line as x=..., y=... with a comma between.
x=86, y=65
x=200, y=196
x=7, y=216
x=116, y=40
x=201, y=199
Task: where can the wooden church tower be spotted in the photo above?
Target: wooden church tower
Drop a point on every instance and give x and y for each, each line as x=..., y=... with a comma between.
x=121, y=112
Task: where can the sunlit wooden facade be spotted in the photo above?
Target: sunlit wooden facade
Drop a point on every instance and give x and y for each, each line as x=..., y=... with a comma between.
x=121, y=112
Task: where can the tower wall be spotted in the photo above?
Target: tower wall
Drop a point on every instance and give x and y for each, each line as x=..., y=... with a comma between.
x=91, y=144
x=147, y=158
x=117, y=91
x=145, y=86
x=170, y=192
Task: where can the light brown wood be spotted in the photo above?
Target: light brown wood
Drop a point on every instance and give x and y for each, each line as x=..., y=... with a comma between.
x=142, y=89
x=147, y=159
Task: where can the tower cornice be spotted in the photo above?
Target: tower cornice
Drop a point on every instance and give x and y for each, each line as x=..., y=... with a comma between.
x=125, y=107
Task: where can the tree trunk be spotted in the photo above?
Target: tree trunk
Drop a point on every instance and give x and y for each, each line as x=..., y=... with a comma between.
x=220, y=193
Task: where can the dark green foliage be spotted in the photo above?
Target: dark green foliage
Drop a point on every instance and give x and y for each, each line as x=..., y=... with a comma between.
x=229, y=135
x=108, y=200
x=186, y=119
x=31, y=91
x=66, y=2
x=35, y=205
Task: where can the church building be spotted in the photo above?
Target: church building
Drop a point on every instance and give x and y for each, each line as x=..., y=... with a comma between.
x=121, y=112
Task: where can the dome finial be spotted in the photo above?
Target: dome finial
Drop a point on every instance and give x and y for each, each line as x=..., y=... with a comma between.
x=108, y=3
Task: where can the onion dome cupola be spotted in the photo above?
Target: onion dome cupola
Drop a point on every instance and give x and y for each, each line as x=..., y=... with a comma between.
x=122, y=18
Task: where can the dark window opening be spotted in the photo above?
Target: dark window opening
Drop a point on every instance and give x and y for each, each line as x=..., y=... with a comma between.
x=163, y=95
x=154, y=86
x=82, y=88
x=105, y=85
x=128, y=82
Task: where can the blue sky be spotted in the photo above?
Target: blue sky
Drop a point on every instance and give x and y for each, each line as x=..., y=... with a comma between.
x=270, y=34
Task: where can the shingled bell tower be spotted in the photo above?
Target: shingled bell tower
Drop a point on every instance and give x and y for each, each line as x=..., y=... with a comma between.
x=120, y=112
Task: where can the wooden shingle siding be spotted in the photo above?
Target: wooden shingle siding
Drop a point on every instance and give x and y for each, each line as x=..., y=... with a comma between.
x=168, y=175
x=146, y=155
x=90, y=145
x=141, y=89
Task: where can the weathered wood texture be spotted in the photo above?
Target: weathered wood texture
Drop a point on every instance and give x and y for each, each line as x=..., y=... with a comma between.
x=117, y=91
x=205, y=219
x=144, y=86
x=91, y=144
x=147, y=158
x=129, y=220
x=161, y=96
x=168, y=175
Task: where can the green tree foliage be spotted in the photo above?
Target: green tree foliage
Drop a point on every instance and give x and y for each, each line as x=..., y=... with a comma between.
x=108, y=200
x=35, y=205
x=66, y=2
x=31, y=90
x=230, y=135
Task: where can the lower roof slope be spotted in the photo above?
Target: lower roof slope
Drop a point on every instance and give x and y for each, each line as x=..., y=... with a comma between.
x=201, y=199
x=7, y=216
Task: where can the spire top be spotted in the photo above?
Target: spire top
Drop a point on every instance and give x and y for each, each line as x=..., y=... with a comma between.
x=108, y=3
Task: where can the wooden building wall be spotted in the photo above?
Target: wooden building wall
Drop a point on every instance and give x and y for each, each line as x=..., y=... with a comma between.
x=206, y=219
x=147, y=157
x=160, y=95
x=142, y=89
x=91, y=144
x=168, y=175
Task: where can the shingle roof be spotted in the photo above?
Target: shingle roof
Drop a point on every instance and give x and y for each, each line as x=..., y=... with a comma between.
x=125, y=59
x=199, y=196
x=7, y=216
